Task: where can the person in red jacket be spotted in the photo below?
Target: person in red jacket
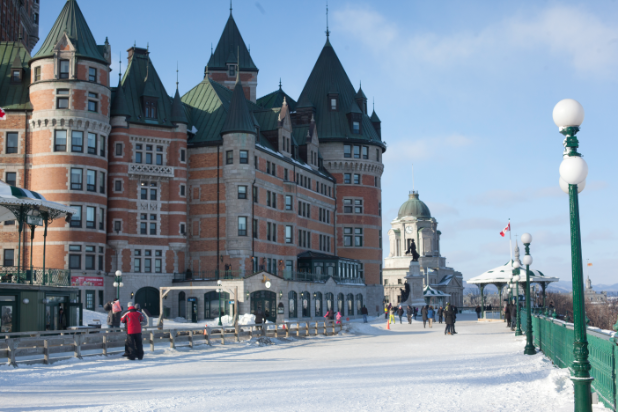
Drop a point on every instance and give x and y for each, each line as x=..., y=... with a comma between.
x=133, y=319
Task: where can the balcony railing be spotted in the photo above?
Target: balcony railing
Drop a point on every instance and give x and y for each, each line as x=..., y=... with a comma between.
x=140, y=169
x=241, y=274
x=36, y=276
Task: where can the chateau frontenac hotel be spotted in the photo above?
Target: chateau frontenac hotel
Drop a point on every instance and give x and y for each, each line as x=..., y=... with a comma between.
x=277, y=196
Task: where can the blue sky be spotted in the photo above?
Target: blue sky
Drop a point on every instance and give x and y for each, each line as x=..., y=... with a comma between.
x=465, y=92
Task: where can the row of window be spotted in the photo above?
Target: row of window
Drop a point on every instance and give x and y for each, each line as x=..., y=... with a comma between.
x=352, y=237
x=304, y=209
x=304, y=238
x=271, y=199
x=324, y=215
x=325, y=243
x=91, y=217
x=148, y=154
x=352, y=206
x=77, y=180
x=146, y=258
x=90, y=258
x=243, y=157
x=305, y=304
x=63, y=72
x=358, y=152
x=148, y=191
x=77, y=142
x=148, y=223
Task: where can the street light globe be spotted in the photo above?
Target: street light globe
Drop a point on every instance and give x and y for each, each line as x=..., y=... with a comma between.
x=573, y=170
x=516, y=278
x=219, y=282
x=118, y=273
x=527, y=260
x=121, y=284
x=516, y=264
x=565, y=186
x=526, y=238
x=115, y=284
x=568, y=112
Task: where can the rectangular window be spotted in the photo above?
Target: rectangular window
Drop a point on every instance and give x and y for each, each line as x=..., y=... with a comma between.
x=148, y=158
x=268, y=198
x=268, y=231
x=90, y=262
x=268, y=167
x=92, y=143
x=242, y=192
x=144, y=194
x=76, y=219
x=77, y=141
x=147, y=265
x=101, y=266
x=150, y=108
x=158, y=265
x=92, y=74
x=355, y=127
x=75, y=261
x=11, y=178
x=365, y=152
x=289, y=237
x=91, y=180
x=242, y=226
x=118, y=149
x=183, y=155
x=333, y=104
x=288, y=202
x=93, y=95
x=274, y=232
x=274, y=200
x=153, y=194
x=137, y=265
x=357, y=152
x=358, y=206
x=285, y=174
x=11, y=142
x=358, y=237
x=9, y=257
x=244, y=157
x=380, y=238
x=347, y=178
x=300, y=208
x=183, y=190
x=255, y=228
x=255, y=194
x=101, y=218
x=347, y=150
x=229, y=157
x=274, y=170
x=64, y=69
x=143, y=228
x=92, y=106
x=357, y=180
x=347, y=236
x=37, y=73
x=90, y=217
x=102, y=146
x=153, y=228
x=76, y=179
x=102, y=182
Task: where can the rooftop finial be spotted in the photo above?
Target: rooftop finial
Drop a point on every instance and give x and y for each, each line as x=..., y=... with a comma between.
x=373, y=103
x=238, y=66
x=211, y=48
x=327, y=31
x=119, y=68
x=176, y=74
x=360, y=84
x=279, y=83
x=230, y=7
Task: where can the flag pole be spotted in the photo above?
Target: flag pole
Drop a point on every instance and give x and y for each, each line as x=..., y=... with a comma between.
x=510, y=242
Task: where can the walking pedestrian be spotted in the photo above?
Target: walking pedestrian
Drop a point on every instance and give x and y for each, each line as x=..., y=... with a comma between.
x=448, y=319
x=400, y=314
x=454, y=310
x=430, y=315
x=364, y=312
x=133, y=319
x=415, y=312
x=440, y=314
x=391, y=317
x=114, y=311
x=409, y=312
x=424, y=310
x=478, y=311
x=385, y=312
x=339, y=318
x=507, y=315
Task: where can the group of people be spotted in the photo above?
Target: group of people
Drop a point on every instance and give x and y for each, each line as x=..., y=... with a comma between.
x=133, y=319
x=428, y=315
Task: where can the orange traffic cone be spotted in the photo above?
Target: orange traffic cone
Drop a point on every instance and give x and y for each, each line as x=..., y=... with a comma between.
x=388, y=324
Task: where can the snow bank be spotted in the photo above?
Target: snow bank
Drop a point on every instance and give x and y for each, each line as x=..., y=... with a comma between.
x=90, y=317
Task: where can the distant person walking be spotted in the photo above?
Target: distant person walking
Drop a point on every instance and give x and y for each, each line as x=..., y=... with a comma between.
x=133, y=319
x=448, y=319
x=409, y=312
x=430, y=314
x=454, y=310
x=339, y=318
x=385, y=312
x=114, y=312
x=364, y=312
x=424, y=311
x=507, y=315
x=400, y=314
x=478, y=311
x=440, y=314
x=391, y=317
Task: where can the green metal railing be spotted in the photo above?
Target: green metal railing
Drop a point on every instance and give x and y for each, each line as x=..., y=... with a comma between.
x=36, y=276
x=555, y=339
x=285, y=274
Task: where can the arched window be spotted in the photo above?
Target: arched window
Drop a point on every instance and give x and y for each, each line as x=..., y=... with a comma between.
x=340, y=303
x=359, y=302
x=330, y=302
x=148, y=299
x=350, y=299
x=305, y=301
x=182, y=305
x=211, y=304
x=317, y=297
x=292, y=309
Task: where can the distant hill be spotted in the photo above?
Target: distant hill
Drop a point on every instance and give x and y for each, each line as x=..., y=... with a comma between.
x=561, y=286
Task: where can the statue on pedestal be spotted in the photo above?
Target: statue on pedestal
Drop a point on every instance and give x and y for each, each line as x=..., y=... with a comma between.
x=412, y=251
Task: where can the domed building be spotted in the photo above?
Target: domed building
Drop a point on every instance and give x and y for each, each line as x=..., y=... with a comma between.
x=415, y=228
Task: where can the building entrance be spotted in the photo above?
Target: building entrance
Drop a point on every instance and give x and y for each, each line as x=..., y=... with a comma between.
x=148, y=298
x=7, y=314
x=264, y=301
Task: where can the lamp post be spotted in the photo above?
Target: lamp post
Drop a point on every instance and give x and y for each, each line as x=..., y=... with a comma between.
x=219, y=291
x=516, y=280
x=568, y=115
x=118, y=283
x=526, y=239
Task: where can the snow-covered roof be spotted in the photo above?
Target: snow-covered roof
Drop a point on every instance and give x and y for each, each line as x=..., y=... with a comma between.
x=502, y=274
x=429, y=292
x=445, y=280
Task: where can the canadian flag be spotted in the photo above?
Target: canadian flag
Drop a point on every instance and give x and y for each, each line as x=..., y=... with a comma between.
x=506, y=229
x=2, y=114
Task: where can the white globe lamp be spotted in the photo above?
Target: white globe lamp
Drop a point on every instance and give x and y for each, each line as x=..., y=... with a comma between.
x=573, y=169
x=118, y=273
x=568, y=112
x=526, y=238
x=527, y=260
x=565, y=186
x=516, y=264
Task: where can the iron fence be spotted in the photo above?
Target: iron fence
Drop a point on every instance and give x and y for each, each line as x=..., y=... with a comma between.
x=35, y=276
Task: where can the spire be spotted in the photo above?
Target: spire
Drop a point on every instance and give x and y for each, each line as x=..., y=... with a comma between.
x=71, y=22
x=279, y=83
x=178, y=109
x=230, y=7
x=238, y=119
x=176, y=75
x=119, y=104
x=119, y=68
x=230, y=48
x=327, y=31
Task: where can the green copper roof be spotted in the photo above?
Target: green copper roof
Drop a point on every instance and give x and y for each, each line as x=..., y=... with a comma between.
x=374, y=117
x=229, y=45
x=329, y=77
x=178, y=110
x=207, y=105
x=414, y=207
x=239, y=119
x=275, y=99
x=72, y=22
x=119, y=103
x=268, y=119
x=141, y=77
x=360, y=94
x=14, y=96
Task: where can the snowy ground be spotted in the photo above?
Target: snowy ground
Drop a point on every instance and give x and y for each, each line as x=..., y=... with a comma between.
x=367, y=368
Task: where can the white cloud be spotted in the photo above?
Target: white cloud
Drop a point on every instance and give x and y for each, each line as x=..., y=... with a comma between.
x=430, y=148
x=564, y=32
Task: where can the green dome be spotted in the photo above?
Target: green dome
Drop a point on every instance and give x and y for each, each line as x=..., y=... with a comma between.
x=414, y=207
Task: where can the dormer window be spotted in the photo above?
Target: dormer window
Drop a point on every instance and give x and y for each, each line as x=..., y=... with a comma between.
x=231, y=70
x=150, y=108
x=16, y=76
x=64, y=69
x=356, y=127
x=333, y=102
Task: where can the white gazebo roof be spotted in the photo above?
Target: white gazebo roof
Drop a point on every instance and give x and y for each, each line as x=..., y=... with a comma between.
x=429, y=292
x=12, y=197
x=502, y=274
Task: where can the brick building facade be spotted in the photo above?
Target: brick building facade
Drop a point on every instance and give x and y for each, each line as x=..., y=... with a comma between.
x=186, y=191
x=19, y=21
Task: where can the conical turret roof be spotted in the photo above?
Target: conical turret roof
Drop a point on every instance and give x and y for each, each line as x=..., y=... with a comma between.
x=374, y=117
x=119, y=104
x=178, y=110
x=238, y=119
x=72, y=22
x=231, y=49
